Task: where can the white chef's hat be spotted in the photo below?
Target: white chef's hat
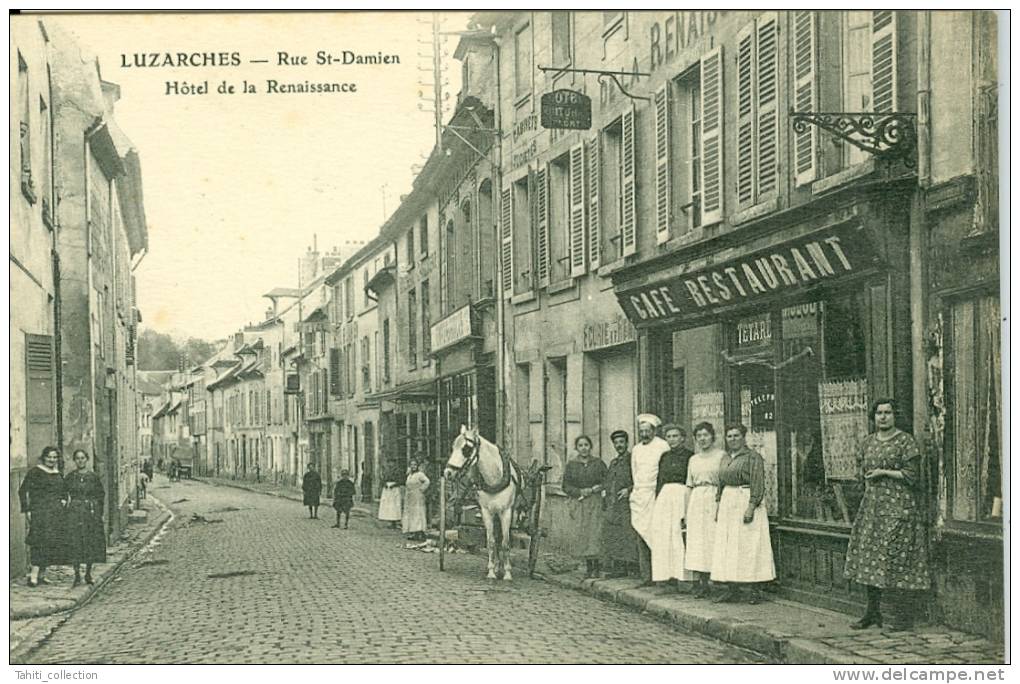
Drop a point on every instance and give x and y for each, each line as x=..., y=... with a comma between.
x=649, y=418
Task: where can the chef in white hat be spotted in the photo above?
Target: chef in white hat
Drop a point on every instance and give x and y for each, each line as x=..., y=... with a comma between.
x=644, y=466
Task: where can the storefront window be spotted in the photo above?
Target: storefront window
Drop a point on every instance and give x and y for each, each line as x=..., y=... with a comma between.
x=824, y=394
x=974, y=384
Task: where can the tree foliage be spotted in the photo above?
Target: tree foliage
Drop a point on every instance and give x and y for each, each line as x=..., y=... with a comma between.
x=159, y=351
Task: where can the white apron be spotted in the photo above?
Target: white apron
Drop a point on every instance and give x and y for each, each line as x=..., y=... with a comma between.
x=742, y=551
x=668, y=553
x=644, y=467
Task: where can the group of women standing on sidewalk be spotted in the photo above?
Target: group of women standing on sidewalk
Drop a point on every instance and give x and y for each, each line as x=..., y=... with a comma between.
x=700, y=516
x=64, y=515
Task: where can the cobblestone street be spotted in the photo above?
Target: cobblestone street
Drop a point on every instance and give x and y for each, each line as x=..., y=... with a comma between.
x=248, y=578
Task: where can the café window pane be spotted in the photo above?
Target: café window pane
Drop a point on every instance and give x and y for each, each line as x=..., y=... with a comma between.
x=824, y=391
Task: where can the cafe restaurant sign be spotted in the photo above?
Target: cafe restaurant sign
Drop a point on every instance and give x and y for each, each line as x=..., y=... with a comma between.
x=817, y=258
x=452, y=329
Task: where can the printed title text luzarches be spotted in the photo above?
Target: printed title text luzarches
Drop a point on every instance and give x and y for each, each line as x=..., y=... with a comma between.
x=234, y=59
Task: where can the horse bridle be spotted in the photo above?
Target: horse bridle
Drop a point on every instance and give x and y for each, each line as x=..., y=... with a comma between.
x=470, y=458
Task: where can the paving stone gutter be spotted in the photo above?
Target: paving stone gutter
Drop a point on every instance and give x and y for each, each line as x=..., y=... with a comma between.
x=782, y=631
x=36, y=611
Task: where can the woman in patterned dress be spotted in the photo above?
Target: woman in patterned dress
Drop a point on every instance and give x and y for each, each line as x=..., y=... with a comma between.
x=888, y=547
x=86, y=532
x=703, y=482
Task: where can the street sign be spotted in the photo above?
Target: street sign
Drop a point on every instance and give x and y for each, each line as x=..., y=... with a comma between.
x=566, y=109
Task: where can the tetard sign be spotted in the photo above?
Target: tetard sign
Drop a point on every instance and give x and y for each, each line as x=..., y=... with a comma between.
x=566, y=109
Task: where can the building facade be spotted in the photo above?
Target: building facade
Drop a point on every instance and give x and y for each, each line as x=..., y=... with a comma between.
x=718, y=246
x=33, y=265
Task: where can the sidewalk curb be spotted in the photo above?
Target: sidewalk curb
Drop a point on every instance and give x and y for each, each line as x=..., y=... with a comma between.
x=111, y=571
x=771, y=643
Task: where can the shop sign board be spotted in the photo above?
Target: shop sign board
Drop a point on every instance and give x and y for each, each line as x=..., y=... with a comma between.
x=817, y=258
x=452, y=329
x=607, y=333
x=566, y=109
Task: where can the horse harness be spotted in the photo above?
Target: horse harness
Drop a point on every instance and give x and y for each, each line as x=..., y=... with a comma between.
x=511, y=471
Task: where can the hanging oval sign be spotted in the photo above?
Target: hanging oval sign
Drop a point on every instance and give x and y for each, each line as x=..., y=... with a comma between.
x=566, y=109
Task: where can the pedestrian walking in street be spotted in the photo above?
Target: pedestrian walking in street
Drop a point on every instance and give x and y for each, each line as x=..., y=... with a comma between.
x=43, y=494
x=390, y=503
x=583, y=481
x=645, y=473
x=668, y=561
x=702, y=483
x=85, y=529
x=343, y=497
x=414, y=520
x=311, y=487
x=143, y=483
x=619, y=541
x=742, y=550
x=888, y=549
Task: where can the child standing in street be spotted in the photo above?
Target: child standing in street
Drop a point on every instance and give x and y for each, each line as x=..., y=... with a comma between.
x=343, y=497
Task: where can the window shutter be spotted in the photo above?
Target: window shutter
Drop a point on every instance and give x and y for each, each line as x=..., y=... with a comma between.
x=805, y=94
x=767, y=92
x=628, y=220
x=334, y=372
x=577, y=202
x=39, y=392
x=506, y=236
x=745, y=115
x=540, y=219
x=711, y=126
x=883, y=60
x=662, y=174
x=594, y=227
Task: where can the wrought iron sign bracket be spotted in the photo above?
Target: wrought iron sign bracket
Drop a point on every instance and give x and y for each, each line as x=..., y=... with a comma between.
x=887, y=135
x=603, y=76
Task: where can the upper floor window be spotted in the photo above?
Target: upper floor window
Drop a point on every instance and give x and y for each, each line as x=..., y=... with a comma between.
x=423, y=236
x=386, y=350
x=426, y=322
x=412, y=328
x=366, y=302
x=523, y=61
x=410, y=249
x=562, y=39
x=757, y=110
x=869, y=66
x=349, y=297
x=25, y=130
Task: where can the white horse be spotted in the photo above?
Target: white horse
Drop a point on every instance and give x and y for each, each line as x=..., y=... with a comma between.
x=501, y=480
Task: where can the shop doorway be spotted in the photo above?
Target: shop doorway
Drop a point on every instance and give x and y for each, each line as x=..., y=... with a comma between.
x=616, y=401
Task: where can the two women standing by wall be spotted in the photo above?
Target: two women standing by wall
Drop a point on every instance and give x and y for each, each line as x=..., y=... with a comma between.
x=65, y=516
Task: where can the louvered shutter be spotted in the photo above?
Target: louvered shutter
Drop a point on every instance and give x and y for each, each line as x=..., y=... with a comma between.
x=577, y=202
x=540, y=219
x=506, y=238
x=711, y=127
x=883, y=60
x=745, y=115
x=334, y=372
x=662, y=174
x=594, y=186
x=628, y=189
x=767, y=93
x=805, y=94
x=39, y=392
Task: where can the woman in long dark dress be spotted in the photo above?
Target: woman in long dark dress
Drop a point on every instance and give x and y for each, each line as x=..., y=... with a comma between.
x=42, y=494
x=86, y=533
x=888, y=544
x=583, y=481
x=311, y=488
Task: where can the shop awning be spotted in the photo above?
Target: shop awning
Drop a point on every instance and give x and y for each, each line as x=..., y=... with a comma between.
x=422, y=390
